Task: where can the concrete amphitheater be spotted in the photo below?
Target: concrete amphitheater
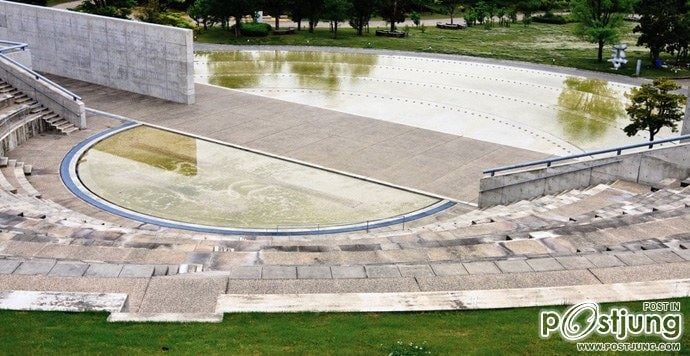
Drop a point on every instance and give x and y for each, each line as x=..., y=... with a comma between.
x=611, y=228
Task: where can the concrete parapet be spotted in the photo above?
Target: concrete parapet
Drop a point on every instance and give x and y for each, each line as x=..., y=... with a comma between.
x=138, y=57
x=646, y=167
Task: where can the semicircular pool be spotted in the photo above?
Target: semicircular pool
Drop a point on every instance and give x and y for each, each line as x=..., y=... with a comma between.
x=149, y=172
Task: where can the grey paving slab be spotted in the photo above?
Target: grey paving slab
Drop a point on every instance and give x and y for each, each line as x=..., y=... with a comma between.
x=182, y=294
x=574, y=262
x=137, y=271
x=103, y=270
x=544, y=264
x=8, y=266
x=69, y=269
x=245, y=272
x=604, y=260
x=634, y=258
x=337, y=285
x=133, y=287
x=513, y=266
x=483, y=267
x=313, y=272
x=415, y=270
x=382, y=271
x=652, y=272
x=507, y=280
x=34, y=267
x=683, y=253
x=449, y=269
x=348, y=272
x=663, y=256
x=279, y=272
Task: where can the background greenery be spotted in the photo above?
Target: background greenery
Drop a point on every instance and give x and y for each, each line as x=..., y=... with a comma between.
x=537, y=43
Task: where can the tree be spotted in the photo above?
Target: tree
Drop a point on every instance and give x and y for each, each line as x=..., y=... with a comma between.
x=235, y=8
x=336, y=11
x=660, y=19
x=312, y=11
x=600, y=20
x=297, y=11
x=653, y=107
x=110, y=8
x=393, y=11
x=275, y=8
x=527, y=7
x=360, y=12
x=201, y=12
x=449, y=7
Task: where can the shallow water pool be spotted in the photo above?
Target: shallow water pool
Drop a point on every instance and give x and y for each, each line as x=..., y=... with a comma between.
x=537, y=110
x=185, y=179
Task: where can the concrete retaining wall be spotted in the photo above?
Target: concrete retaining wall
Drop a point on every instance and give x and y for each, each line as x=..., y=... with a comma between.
x=138, y=57
x=647, y=167
x=46, y=94
x=20, y=135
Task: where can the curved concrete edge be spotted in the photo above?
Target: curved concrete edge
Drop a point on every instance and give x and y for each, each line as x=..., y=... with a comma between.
x=63, y=301
x=68, y=175
x=612, y=77
x=456, y=300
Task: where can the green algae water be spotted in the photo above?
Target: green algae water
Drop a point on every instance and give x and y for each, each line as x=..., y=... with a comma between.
x=185, y=179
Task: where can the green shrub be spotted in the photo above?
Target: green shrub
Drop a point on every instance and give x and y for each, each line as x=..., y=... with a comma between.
x=171, y=18
x=552, y=19
x=253, y=29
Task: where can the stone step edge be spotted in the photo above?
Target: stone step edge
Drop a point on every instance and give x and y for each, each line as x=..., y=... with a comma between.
x=124, y=317
x=455, y=300
x=63, y=301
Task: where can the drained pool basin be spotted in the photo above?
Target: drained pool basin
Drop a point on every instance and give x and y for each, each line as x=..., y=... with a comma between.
x=178, y=178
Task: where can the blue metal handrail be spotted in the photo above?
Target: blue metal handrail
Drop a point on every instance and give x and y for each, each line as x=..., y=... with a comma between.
x=15, y=46
x=618, y=151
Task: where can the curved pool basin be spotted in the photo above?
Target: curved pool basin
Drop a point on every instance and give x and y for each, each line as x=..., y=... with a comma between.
x=143, y=172
x=531, y=109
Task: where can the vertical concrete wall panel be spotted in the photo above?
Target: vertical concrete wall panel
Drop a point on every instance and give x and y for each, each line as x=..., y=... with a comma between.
x=121, y=54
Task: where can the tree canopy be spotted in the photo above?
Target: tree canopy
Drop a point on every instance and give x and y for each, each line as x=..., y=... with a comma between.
x=653, y=107
x=599, y=21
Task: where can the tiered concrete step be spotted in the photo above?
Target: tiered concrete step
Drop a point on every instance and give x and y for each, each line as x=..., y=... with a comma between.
x=5, y=100
x=4, y=183
x=20, y=176
x=60, y=124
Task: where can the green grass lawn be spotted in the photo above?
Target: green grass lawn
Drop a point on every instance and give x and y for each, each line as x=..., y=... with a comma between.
x=57, y=2
x=538, y=43
x=494, y=332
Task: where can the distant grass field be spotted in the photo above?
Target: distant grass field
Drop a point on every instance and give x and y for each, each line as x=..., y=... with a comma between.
x=537, y=43
x=493, y=332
